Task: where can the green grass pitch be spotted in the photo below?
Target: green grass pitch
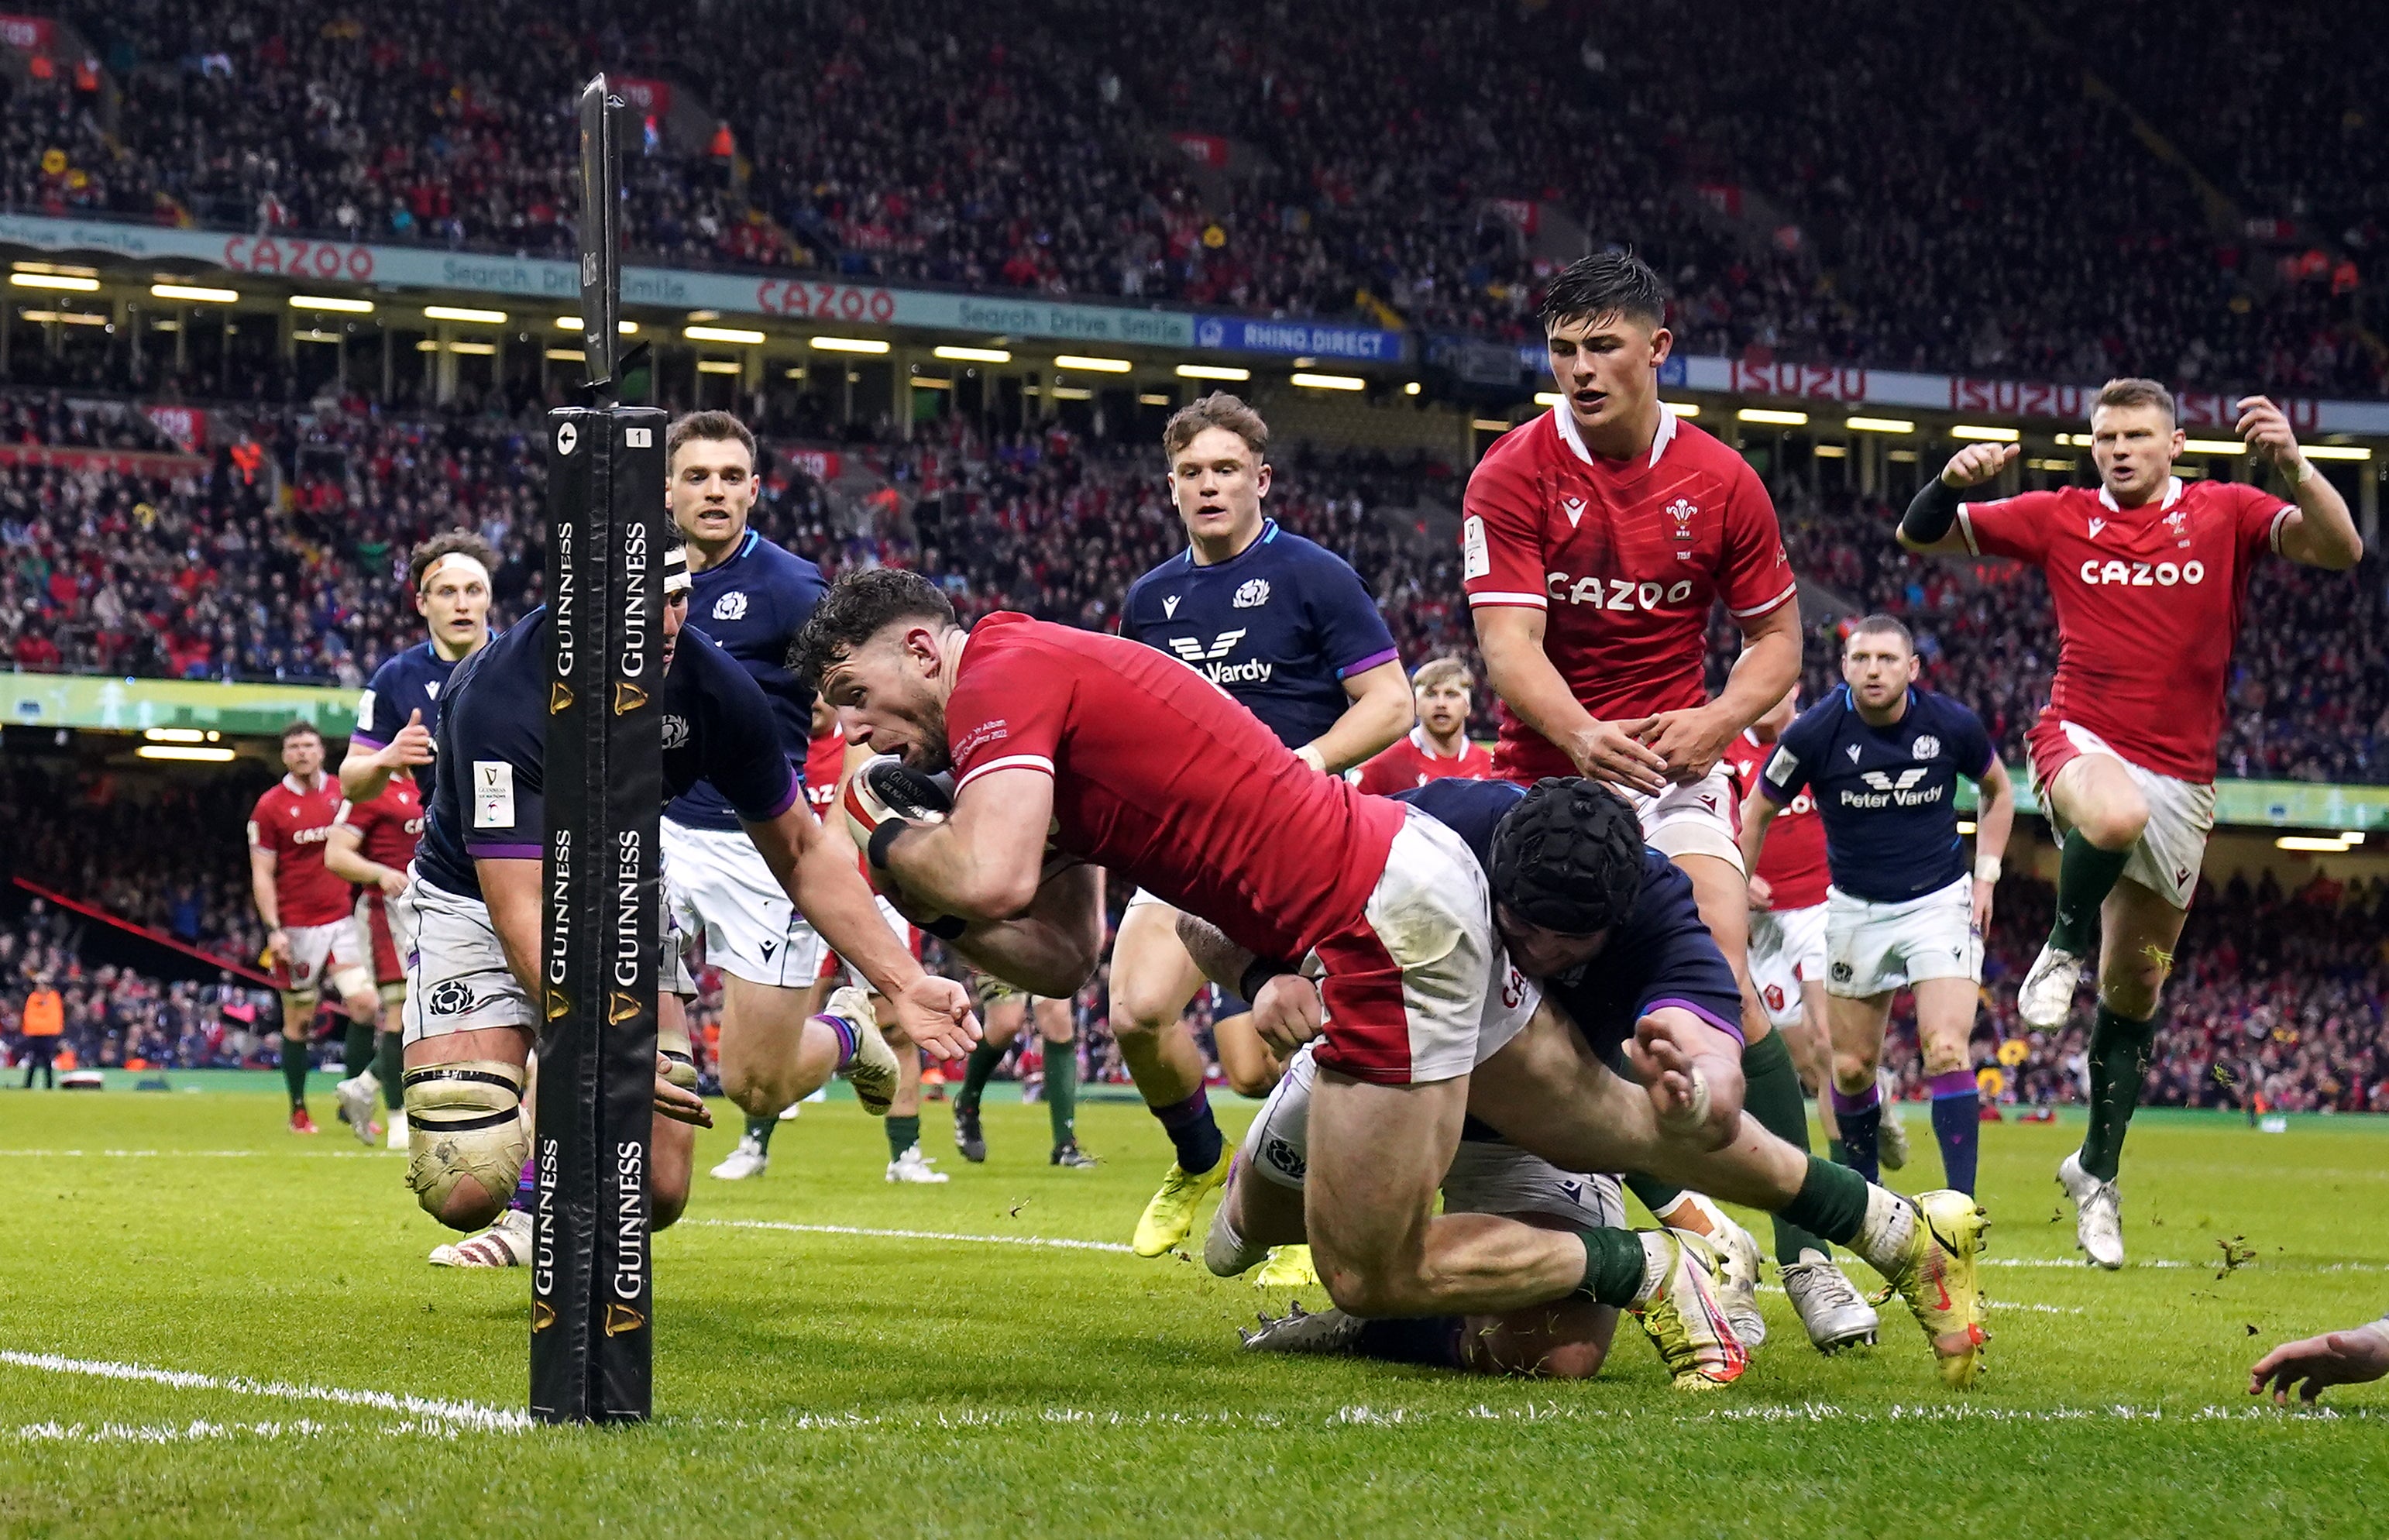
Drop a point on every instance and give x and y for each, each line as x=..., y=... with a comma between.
x=834, y=1381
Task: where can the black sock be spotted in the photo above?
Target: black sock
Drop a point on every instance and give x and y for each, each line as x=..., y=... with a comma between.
x=983, y=1060
x=1612, y=1267
x=903, y=1134
x=2086, y=875
x=294, y=1070
x=1657, y=1196
x=1193, y=1130
x=1772, y=1097
x=358, y=1051
x=389, y=1068
x=758, y=1132
x=1831, y=1202
x=1430, y=1339
x=2119, y=1065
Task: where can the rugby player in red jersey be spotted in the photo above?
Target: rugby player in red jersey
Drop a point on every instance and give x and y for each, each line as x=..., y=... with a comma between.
x=372, y=844
x=310, y=933
x=1595, y=541
x=1438, y=745
x=1073, y=751
x=2150, y=578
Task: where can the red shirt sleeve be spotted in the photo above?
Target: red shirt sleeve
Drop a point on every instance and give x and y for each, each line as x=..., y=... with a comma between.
x=2015, y=527
x=1501, y=536
x=1007, y=712
x=2260, y=516
x=264, y=829
x=1380, y=776
x=1755, y=574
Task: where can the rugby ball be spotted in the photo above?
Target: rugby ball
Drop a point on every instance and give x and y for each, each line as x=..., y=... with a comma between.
x=883, y=788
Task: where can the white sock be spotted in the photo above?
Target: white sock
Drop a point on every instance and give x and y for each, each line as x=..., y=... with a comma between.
x=1228, y=1253
x=1659, y=1262
x=1882, y=1238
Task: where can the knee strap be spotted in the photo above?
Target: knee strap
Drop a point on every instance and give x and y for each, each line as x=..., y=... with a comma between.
x=672, y=1043
x=464, y=1123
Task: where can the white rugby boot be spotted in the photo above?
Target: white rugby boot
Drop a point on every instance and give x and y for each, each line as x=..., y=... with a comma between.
x=747, y=1160
x=2098, y=1217
x=354, y=1097
x=2046, y=996
x=1829, y=1306
x=873, y=1071
x=914, y=1166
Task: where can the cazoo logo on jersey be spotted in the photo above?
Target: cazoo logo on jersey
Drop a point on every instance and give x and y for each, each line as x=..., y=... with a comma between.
x=2141, y=574
x=1616, y=593
x=1205, y=660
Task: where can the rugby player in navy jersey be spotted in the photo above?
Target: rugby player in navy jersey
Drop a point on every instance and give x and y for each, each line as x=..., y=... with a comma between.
x=1288, y=630
x=450, y=576
x=750, y=597
x=474, y=909
x=1883, y=758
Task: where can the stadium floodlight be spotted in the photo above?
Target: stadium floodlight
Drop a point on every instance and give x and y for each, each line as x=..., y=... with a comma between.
x=196, y=753
x=474, y=349
x=1549, y=398
x=1965, y=826
x=1831, y=452
x=1093, y=365
x=1878, y=424
x=2336, y=451
x=1492, y=425
x=64, y=281
x=55, y=267
x=848, y=344
x=718, y=366
x=1683, y=409
x=743, y=335
x=464, y=313
x=1155, y=398
x=175, y=735
x=971, y=355
x=2214, y=446
x=1411, y=388
x=1072, y=393
x=567, y=355
x=190, y=292
x=1987, y=435
x=71, y=318
x=572, y=324
x=1772, y=417
x=1213, y=371
x=1330, y=382
x=2310, y=845
x=331, y=303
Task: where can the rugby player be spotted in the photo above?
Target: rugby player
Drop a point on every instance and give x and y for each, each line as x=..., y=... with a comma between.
x=310, y=936
x=1438, y=745
x=473, y=906
x=1595, y=540
x=2312, y=1365
x=1883, y=758
x=371, y=845
x=450, y=576
x=1073, y=744
x=2150, y=576
x=1003, y=1010
x=1288, y=629
x=750, y=597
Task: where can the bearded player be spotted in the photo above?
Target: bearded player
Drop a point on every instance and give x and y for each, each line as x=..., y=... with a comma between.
x=450, y=576
x=1071, y=751
x=1286, y=629
x=2150, y=578
x=1595, y=541
x=310, y=934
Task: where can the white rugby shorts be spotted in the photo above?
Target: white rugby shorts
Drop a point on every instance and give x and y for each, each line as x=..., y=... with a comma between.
x=2181, y=814
x=1786, y=947
x=1486, y=1177
x=1691, y=821
x=1873, y=949
x=717, y=888
x=456, y=975
x=334, y=951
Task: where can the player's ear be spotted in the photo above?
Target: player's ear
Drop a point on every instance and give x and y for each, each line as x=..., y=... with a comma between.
x=1261, y=479
x=1663, y=342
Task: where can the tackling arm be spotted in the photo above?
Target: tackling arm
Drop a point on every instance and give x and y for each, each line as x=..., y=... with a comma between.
x=1052, y=950
x=983, y=863
x=1382, y=710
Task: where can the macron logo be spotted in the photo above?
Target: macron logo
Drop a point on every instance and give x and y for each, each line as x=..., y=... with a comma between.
x=2097, y=524
x=1574, y=508
x=1169, y=607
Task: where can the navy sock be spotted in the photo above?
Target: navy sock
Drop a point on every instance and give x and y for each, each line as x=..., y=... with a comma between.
x=1957, y=1123
x=1430, y=1339
x=1860, y=1120
x=1193, y=1129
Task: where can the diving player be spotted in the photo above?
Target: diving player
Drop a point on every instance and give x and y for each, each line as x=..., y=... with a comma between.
x=1288, y=629
x=1883, y=758
x=474, y=902
x=2149, y=577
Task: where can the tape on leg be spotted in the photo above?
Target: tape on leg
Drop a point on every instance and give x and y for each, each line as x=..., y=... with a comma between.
x=463, y=1124
x=672, y=1043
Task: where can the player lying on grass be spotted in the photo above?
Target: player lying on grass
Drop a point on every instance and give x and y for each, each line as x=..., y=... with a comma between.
x=1129, y=760
x=1618, y=969
x=2149, y=577
x=474, y=909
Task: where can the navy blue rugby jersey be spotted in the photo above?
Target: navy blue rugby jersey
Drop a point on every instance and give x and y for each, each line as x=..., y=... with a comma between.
x=753, y=605
x=1887, y=795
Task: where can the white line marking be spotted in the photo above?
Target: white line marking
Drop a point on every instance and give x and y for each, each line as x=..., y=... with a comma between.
x=469, y=1414
x=913, y=1234
x=199, y=1154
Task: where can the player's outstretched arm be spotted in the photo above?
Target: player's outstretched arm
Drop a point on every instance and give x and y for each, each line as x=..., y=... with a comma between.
x=1382, y=710
x=1511, y=636
x=2321, y=533
x=1929, y=526
x=366, y=772
x=2312, y=1365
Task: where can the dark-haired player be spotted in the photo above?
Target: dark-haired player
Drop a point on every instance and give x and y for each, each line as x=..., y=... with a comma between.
x=474, y=909
x=1883, y=758
x=1072, y=744
x=450, y=576
x=1288, y=630
x=311, y=936
x=2149, y=577
x=1595, y=541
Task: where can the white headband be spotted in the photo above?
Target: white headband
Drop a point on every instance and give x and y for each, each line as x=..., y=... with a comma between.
x=436, y=568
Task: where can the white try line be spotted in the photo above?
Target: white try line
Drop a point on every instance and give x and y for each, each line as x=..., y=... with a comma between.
x=200, y=1154
x=1039, y=1240
x=460, y=1413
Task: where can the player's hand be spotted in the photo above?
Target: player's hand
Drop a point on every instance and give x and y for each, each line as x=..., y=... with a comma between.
x=2267, y=428
x=392, y=882
x=934, y=1014
x=1983, y=891
x=278, y=948
x=1690, y=740
x=2314, y=1363
x=1976, y=463
x=1287, y=1013
x=677, y=1102
x=1614, y=753
x=1695, y=1092
x=1762, y=894
x=413, y=745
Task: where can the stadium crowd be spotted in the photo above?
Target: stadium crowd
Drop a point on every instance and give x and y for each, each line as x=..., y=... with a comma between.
x=1334, y=158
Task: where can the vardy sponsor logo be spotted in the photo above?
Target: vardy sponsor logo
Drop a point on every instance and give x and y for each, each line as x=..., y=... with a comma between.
x=1250, y=671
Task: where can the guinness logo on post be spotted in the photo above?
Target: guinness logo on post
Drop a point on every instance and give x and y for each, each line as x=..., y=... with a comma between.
x=558, y=1004
x=620, y=1318
x=542, y=1314
x=628, y=697
x=621, y=1008
x=559, y=698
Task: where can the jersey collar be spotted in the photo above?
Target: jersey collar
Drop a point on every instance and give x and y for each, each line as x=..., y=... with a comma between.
x=2172, y=496
x=1425, y=745
x=1566, y=422
x=290, y=783
x=1268, y=533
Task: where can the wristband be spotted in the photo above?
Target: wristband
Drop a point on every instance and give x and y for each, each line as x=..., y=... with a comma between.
x=1987, y=869
x=881, y=838
x=1308, y=754
x=1933, y=512
x=1260, y=971
x=946, y=927
x=2300, y=471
